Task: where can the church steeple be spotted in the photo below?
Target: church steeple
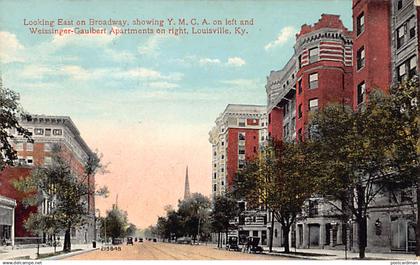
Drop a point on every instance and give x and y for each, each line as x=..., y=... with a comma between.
x=187, y=186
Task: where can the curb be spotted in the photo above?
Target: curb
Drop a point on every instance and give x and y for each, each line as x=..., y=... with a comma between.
x=71, y=254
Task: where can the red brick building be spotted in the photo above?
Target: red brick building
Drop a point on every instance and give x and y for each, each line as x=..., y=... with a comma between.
x=237, y=136
x=46, y=131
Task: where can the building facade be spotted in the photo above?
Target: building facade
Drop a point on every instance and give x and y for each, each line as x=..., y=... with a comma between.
x=7, y=221
x=239, y=133
x=386, y=49
x=318, y=73
x=46, y=131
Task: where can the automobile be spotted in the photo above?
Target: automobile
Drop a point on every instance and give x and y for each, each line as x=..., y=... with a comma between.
x=154, y=240
x=184, y=240
x=129, y=240
x=252, y=245
x=233, y=244
x=140, y=239
x=117, y=241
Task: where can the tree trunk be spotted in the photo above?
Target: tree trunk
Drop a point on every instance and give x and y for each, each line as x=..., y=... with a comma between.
x=270, y=243
x=67, y=241
x=286, y=231
x=362, y=237
x=418, y=220
x=226, y=238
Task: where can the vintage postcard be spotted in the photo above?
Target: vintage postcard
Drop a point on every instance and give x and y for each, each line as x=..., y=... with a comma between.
x=210, y=130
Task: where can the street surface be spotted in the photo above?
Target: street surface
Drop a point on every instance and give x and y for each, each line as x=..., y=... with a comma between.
x=166, y=251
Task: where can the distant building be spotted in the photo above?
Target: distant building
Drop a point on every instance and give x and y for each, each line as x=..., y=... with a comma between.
x=46, y=131
x=240, y=132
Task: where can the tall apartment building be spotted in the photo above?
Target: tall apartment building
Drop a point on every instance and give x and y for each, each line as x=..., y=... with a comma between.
x=46, y=131
x=239, y=132
x=318, y=73
x=386, y=52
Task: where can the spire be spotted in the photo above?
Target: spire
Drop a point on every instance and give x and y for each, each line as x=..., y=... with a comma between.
x=187, y=186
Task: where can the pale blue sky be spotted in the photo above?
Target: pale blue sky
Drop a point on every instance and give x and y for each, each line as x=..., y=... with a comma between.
x=160, y=95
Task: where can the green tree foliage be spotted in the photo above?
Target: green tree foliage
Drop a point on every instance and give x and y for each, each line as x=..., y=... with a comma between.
x=67, y=192
x=10, y=113
x=115, y=223
x=361, y=154
x=190, y=219
x=224, y=210
x=278, y=180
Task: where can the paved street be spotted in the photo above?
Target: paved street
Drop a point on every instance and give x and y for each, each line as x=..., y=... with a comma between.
x=166, y=251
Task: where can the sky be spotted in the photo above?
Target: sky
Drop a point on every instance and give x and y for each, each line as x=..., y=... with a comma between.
x=147, y=102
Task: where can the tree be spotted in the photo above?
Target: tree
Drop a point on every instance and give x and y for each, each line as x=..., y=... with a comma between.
x=359, y=155
x=66, y=191
x=224, y=210
x=10, y=113
x=279, y=181
x=115, y=222
x=131, y=230
x=194, y=212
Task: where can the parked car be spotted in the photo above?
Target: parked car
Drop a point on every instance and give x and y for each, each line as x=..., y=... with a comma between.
x=154, y=240
x=233, y=243
x=184, y=240
x=140, y=239
x=252, y=245
x=129, y=240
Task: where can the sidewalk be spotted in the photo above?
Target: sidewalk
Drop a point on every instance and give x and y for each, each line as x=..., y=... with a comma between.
x=30, y=253
x=328, y=254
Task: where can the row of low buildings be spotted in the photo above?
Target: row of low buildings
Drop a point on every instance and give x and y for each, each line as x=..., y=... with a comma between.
x=330, y=64
x=46, y=131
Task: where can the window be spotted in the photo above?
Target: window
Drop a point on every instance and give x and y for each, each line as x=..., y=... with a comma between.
x=285, y=109
x=412, y=27
x=401, y=36
x=255, y=149
x=47, y=161
x=241, y=150
x=214, y=187
x=300, y=61
x=300, y=111
x=47, y=132
x=215, y=165
x=57, y=132
x=313, y=208
x=313, y=55
x=300, y=137
x=300, y=86
x=313, y=81
x=223, y=143
x=360, y=26
x=39, y=131
x=29, y=146
x=412, y=66
x=313, y=104
x=401, y=72
x=215, y=175
x=241, y=123
x=223, y=156
x=241, y=136
x=19, y=147
x=361, y=90
x=222, y=170
x=47, y=147
x=286, y=130
x=241, y=164
x=361, y=58
x=399, y=4
x=223, y=183
x=29, y=160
